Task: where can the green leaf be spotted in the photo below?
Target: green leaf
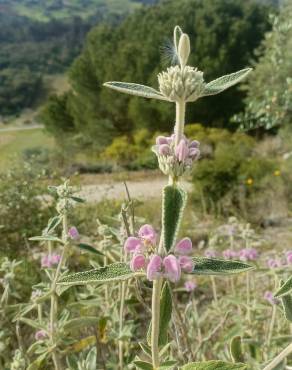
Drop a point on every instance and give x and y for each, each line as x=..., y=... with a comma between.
x=135, y=89
x=38, y=362
x=287, y=305
x=54, y=222
x=89, y=248
x=236, y=349
x=165, y=313
x=143, y=365
x=214, y=266
x=173, y=204
x=165, y=316
x=81, y=322
x=285, y=289
x=47, y=238
x=167, y=365
x=214, y=365
x=114, y=272
x=224, y=82
x=33, y=323
x=78, y=200
x=146, y=349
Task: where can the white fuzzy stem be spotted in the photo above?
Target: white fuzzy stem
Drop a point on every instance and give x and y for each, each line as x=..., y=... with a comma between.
x=179, y=121
x=278, y=359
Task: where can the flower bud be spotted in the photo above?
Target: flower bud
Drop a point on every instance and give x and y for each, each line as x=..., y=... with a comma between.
x=73, y=233
x=132, y=244
x=154, y=267
x=184, y=246
x=164, y=149
x=138, y=262
x=186, y=263
x=172, y=268
x=182, y=151
x=147, y=233
x=184, y=49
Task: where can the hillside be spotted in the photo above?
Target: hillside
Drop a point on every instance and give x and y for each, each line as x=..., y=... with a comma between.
x=43, y=37
x=46, y=10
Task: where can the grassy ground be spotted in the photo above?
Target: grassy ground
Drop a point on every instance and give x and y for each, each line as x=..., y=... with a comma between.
x=13, y=144
x=43, y=11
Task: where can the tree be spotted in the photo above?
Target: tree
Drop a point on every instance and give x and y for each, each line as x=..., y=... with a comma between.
x=269, y=90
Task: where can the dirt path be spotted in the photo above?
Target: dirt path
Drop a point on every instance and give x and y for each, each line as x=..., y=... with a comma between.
x=143, y=189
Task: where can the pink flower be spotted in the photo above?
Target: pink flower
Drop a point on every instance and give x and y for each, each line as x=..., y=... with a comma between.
x=186, y=263
x=273, y=263
x=138, y=262
x=55, y=259
x=164, y=149
x=73, y=233
x=46, y=262
x=132, y=244
x=160, y=140
x=289, y=257
x=49, y=261
x=147, y=233
x=172, y=268
x=40, y=335
x=229, y=254
x=190, y=285
x=182, y=150
x=154, y=267
x=269, y=296
x=184, y=246
x=194, y=144
x=210, y=253
x=248, y=254
x=194, y=153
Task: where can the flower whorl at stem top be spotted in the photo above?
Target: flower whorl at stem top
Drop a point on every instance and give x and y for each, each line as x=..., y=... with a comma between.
x=185, y=84
x=176, y=160
x=145, y=258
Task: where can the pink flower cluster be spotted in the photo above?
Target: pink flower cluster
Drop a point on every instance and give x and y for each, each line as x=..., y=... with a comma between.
x=190, y=285
x=289, y=257
x=73, y=233
x=248, y=254
x=269, y=296
x=230, y=254
x=40, y=335
x=210, y=253
x=273, y=263
x=175, y=160
x=49, y=261
x=144, y=257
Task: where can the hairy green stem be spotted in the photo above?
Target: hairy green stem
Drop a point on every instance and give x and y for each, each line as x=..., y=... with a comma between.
x=157, y=284
x=54, y=297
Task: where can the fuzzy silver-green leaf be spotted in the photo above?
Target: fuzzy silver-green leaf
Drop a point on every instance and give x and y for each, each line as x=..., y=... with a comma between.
x=222, y=83
x=114, y=272
x=214, y=266
x=135, y=89
x=214, y=365
x=173, y=204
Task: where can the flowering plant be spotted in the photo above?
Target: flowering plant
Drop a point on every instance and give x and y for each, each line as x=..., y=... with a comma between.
x=163, y=260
